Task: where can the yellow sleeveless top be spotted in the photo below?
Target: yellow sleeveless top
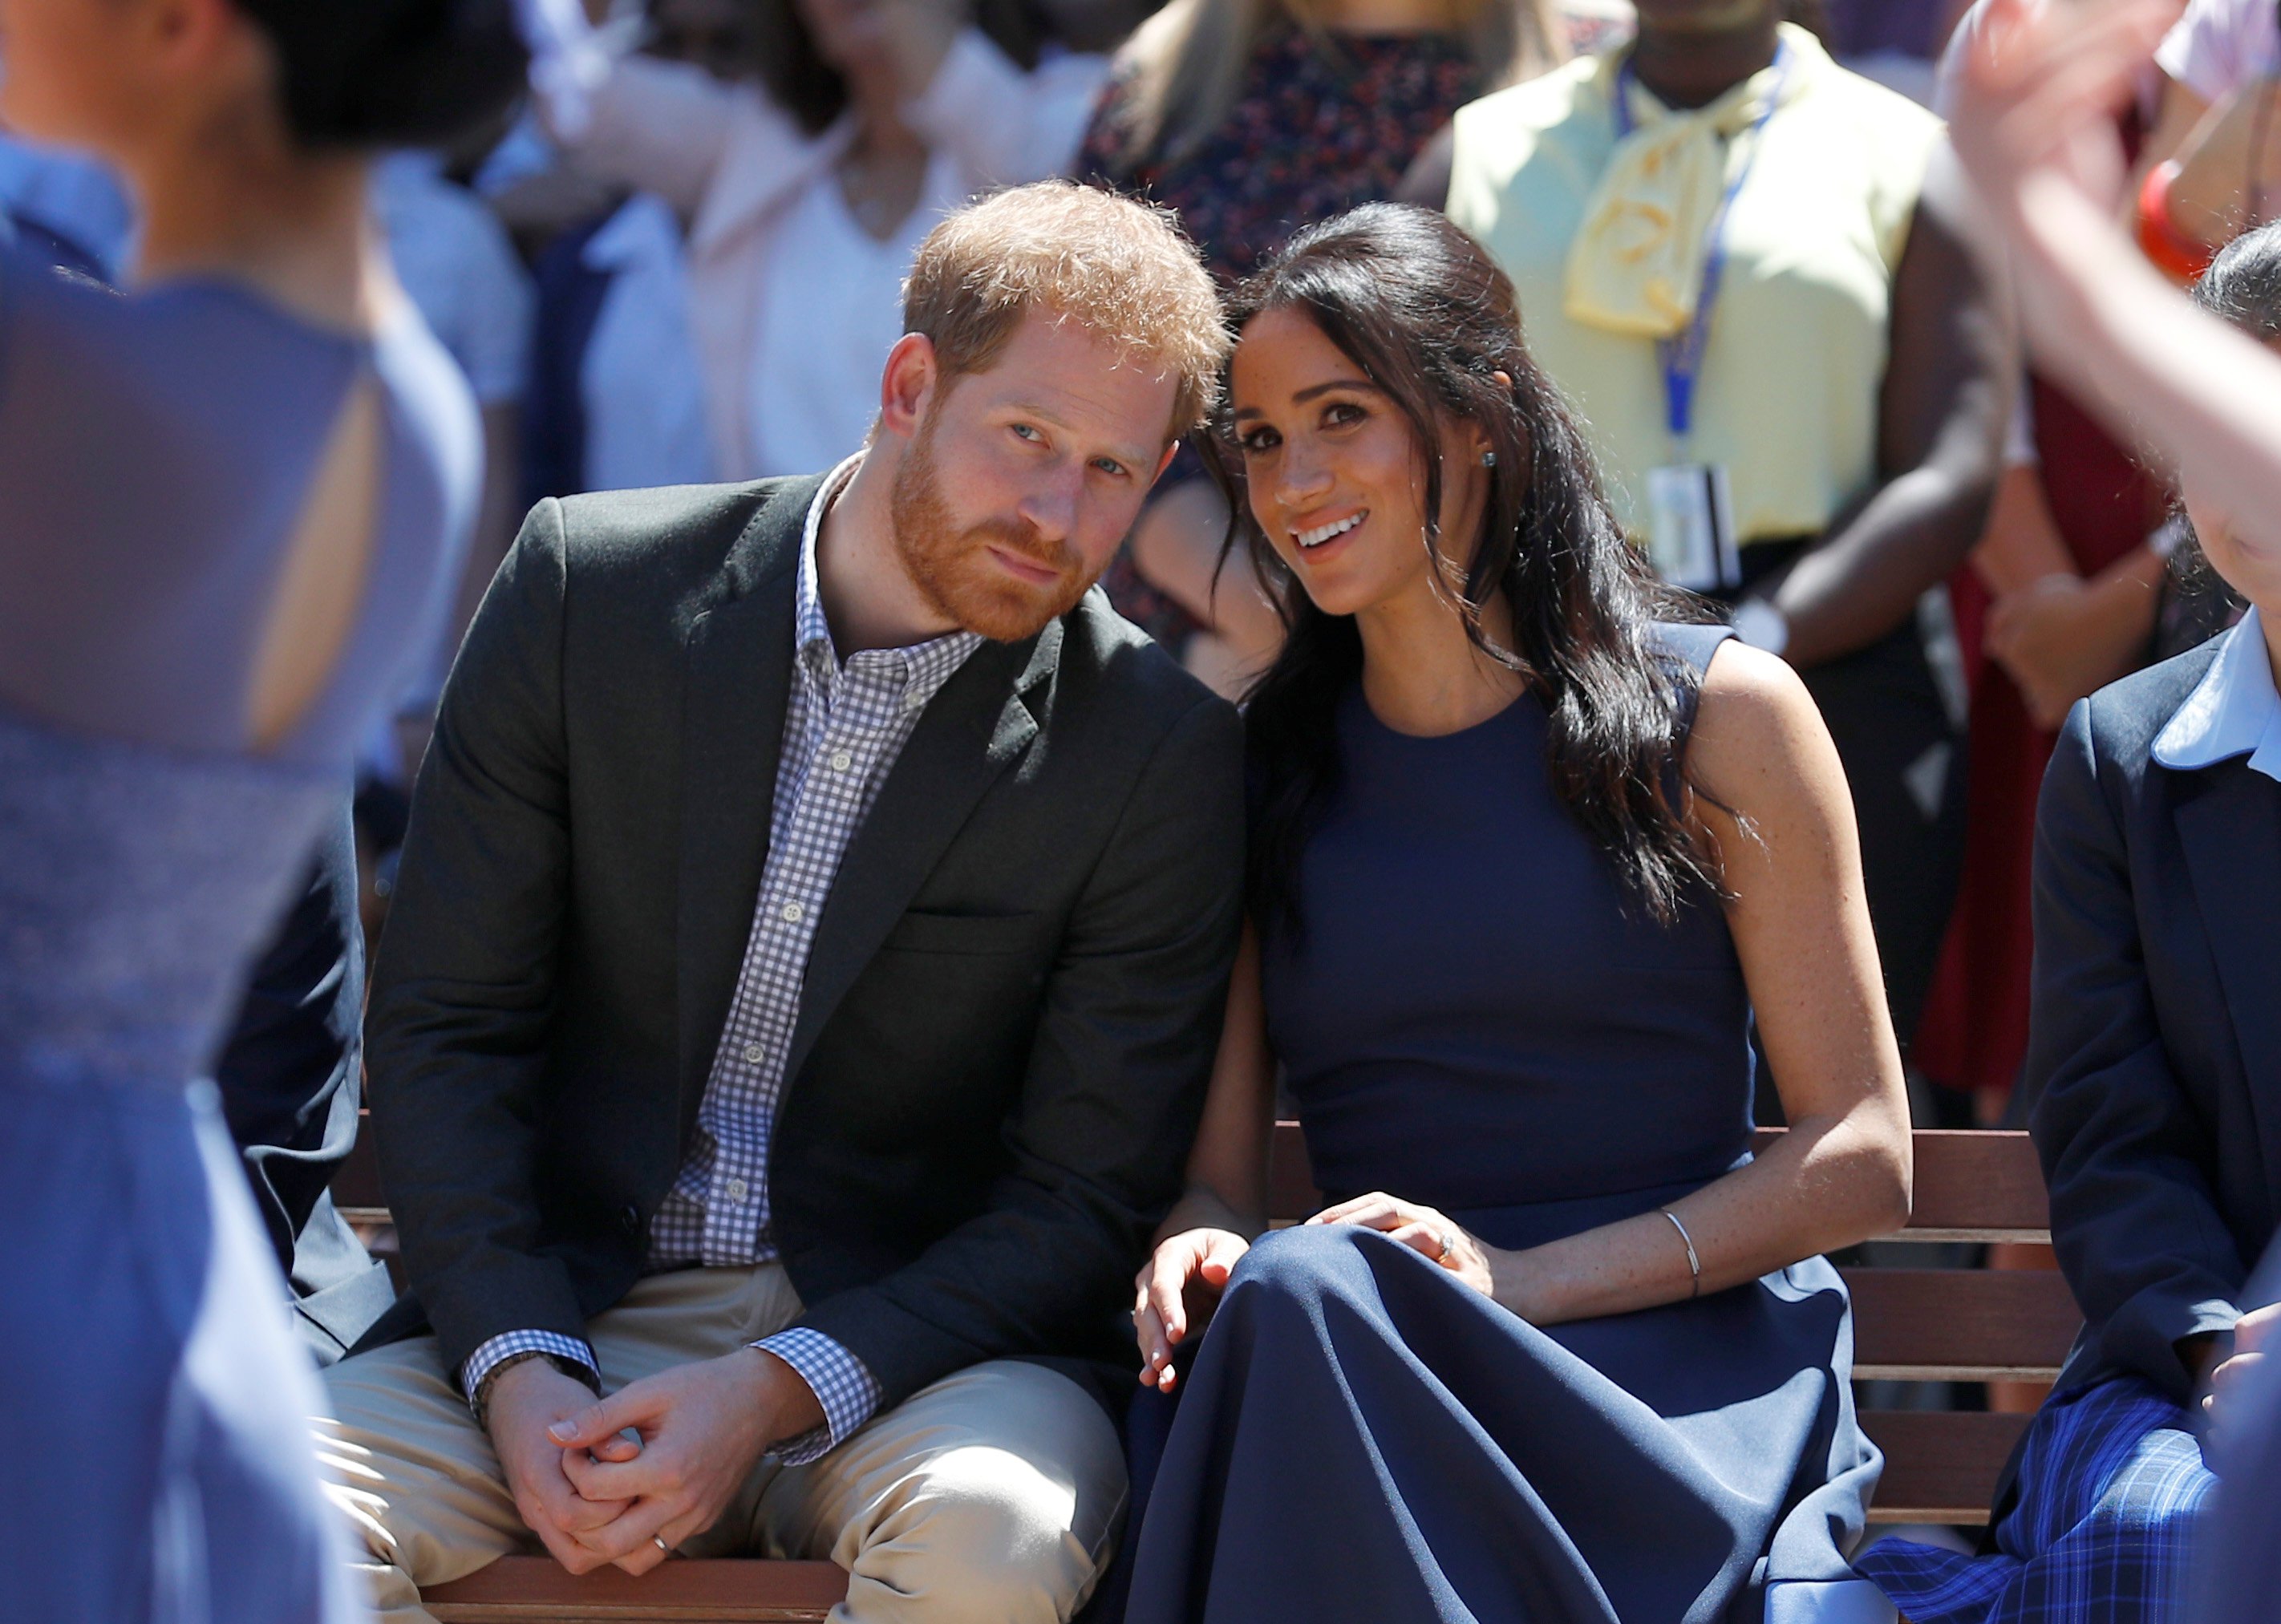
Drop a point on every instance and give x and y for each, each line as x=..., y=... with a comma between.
x=1787, y=397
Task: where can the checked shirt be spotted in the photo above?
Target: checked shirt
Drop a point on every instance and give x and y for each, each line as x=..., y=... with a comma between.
x=844, y=725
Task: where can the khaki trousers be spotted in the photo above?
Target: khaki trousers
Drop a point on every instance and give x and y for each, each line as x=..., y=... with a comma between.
x=993, y=1496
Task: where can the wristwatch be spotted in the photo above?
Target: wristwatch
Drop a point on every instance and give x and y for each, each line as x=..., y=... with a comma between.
x=480, y=1399
x=1761, y=625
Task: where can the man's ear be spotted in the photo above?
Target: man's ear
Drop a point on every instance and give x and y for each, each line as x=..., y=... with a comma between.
x=908, y=385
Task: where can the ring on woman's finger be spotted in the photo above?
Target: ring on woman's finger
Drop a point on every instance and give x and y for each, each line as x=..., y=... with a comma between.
x=1449, y=1245
x=658, y=1540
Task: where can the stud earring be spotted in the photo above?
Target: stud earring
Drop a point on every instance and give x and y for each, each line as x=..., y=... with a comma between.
x=1488, y=458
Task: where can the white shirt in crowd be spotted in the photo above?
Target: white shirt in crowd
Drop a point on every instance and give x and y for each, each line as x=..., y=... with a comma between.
x=456, y=261
x=639, y=385
x=2220, y=45
x=792, y=305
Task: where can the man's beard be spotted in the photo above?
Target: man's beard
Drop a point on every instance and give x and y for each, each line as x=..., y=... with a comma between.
x=955, y=573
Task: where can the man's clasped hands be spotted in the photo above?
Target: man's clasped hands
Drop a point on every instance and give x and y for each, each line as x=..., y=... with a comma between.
x=625, y=1478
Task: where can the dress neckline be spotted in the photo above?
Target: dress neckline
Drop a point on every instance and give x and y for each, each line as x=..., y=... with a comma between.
x=1377, y=724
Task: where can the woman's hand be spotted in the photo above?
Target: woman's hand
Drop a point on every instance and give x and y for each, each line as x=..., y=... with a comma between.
x=1176, y=1291
x=1422, y=1229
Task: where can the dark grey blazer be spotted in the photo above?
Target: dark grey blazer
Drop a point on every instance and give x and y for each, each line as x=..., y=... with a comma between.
x=2155, y=1040
x=1011, y=1002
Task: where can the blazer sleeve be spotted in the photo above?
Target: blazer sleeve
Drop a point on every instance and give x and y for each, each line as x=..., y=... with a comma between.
x=1110, y=1098
x=2133, y=1217
x=463, y=987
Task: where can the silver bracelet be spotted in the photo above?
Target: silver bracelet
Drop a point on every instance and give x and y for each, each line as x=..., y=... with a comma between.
x=1694, y=1264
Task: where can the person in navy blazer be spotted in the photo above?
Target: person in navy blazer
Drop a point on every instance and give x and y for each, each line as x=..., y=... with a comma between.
x=2154, y=1048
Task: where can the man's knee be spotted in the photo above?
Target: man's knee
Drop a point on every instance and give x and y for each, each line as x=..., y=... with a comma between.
x=996, y=1537
x=406, y=1462
x=1008, y=1513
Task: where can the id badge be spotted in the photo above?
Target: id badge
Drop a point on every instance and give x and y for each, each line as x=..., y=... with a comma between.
x=1691, y=520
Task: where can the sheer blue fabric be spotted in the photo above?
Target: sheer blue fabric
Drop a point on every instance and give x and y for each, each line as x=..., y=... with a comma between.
x=155, y=454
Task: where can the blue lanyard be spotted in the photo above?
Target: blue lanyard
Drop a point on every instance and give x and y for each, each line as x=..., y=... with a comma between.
x=1682, y=357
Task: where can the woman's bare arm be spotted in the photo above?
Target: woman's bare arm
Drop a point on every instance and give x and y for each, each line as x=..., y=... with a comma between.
x=1801, y=926
x=1225, y=1206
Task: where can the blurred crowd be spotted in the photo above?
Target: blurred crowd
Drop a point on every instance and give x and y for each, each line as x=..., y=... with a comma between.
x=691, y=279
x=691, y=276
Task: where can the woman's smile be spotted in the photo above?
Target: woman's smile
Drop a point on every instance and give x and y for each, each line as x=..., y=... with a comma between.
x=1321, y=533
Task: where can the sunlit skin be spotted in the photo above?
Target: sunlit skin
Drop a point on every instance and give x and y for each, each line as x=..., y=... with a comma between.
x=2251, y=570
x=1322, y=445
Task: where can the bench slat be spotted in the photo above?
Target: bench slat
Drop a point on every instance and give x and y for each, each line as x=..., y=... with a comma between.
x=1940, y=1466
x=1960, y=1324
x=528, y=1589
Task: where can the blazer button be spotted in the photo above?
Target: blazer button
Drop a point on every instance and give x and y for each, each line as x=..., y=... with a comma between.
x=629, y=1219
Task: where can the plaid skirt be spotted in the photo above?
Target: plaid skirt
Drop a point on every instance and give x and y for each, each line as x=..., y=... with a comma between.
x=2111, y=1485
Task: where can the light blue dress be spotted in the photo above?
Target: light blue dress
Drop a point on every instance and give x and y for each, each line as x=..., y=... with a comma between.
x=156, y=455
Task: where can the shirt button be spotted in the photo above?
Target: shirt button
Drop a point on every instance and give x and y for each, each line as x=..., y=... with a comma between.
x=841, y=761
x=793, y=913
x=755, y=1054
x=735, y=1191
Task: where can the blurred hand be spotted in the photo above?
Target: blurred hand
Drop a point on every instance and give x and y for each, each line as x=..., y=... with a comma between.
x=1175, y=1293
x=703, y=1429
x=1421, y=1228
x=2040, y=85
x=2256, y=1335
x=526, y=1400
x=2062, y=637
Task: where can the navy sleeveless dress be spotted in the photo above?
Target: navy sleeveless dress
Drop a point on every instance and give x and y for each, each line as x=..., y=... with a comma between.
x=1474, y=1015
x=156, y=453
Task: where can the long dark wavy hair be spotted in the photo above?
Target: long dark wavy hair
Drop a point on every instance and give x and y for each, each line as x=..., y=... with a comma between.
x=1429, y=319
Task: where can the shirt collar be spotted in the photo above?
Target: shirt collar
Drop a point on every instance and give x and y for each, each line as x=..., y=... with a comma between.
x=919, y=670
x=2234, y=710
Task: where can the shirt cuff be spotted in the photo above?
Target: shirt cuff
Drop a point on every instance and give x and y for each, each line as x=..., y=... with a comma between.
x=483, y=1360
x=842, y=1383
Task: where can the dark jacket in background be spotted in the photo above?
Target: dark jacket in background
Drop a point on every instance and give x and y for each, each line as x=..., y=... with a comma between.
x=2156, y=1034
x=1011, y=1005
x=290, y=1091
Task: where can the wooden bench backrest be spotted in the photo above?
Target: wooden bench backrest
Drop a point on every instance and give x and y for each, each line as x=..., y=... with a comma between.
x=1910, y=1324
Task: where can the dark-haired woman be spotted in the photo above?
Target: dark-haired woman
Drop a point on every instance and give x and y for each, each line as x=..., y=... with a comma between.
x=809, y=186
x=232, y=502
x=1528, y=853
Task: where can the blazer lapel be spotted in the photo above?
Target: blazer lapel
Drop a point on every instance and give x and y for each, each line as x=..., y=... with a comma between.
x=975, y=728
x=2232, y=832
x=738, y=678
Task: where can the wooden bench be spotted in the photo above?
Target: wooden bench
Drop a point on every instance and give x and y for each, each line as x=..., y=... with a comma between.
x=1910, y=1325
